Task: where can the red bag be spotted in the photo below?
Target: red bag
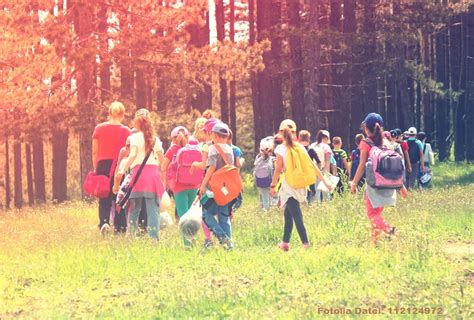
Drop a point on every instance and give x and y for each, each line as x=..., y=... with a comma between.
x=97, y=185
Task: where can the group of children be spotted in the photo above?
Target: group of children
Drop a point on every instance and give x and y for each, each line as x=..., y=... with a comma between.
x=289, y=171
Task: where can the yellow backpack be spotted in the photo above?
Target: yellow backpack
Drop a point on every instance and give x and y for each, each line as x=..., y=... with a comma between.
x=300, y=170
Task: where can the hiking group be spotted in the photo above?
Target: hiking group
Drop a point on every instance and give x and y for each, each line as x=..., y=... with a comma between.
x=134, y=178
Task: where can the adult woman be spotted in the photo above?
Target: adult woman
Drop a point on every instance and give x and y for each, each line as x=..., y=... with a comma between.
x=149, y=187
x=107, y=140
x=289, y=196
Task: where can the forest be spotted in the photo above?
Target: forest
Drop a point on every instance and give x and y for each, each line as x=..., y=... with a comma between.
x=323, y=63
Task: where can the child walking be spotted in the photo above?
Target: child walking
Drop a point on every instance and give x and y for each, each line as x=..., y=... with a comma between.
x=375, y=199
x=290, y=196
x=263, y=171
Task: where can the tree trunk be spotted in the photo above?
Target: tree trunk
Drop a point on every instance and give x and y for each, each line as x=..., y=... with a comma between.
x=59, y=141
x=140, y=88
x=29, y=175
x=83, y=25
x=349, y=28
x=220, y=26
x=469, y=96
x=296, y=57
x=8, y=193
x=38, y=169
x=17, y=166
x=442, y=113
x=458, y=75
x=314, y=56
x=257, y=116
x=427, y=107
x=232, y=93
x=104, y=59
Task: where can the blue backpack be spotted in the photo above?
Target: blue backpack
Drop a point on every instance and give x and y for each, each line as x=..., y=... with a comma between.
x=263, y=172
x=355, y=162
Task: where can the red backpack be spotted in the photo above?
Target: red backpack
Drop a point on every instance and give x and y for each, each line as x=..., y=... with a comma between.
x=184, y=159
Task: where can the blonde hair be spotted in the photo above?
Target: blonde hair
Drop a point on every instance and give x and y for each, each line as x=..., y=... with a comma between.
x=337, y=140
x=208, y=114
x=143, y=124
x=304, y=136
x=198, y=132
x=116, y=110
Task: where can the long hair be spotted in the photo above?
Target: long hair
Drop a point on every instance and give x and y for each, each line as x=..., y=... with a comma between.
x=376, y=134
x=288, y=137
x=144, y=124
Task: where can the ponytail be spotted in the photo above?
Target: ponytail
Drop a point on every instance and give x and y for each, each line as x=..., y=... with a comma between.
x=181, y=140
x=378, y=135
x=288, y=137
x=145, y=126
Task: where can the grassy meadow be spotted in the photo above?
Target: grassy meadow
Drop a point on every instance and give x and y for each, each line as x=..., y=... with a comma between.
x=55, y=265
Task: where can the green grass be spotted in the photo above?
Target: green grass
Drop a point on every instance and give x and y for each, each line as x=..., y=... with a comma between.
x=54, y=264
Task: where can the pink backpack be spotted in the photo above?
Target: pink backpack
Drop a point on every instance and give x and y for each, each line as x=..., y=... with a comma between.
x=184, y=159
x=384, y=168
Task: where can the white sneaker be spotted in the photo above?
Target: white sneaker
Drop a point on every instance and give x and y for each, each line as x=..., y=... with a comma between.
x=105, y=229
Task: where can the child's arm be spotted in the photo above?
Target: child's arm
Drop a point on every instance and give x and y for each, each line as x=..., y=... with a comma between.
x=404, y=192
x=210, y=171
x=200, y=165
x=364, y=154
x=347, y=165
x=407, y=160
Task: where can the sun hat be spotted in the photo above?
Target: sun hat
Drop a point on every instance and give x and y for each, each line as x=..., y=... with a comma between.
x=266, y=144
x=412, y=131
x=221, y=128
x=175, y=132
x=288, y=123
x=210, y=123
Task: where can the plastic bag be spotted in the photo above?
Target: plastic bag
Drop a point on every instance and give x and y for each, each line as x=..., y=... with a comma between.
x=332, y=180
x=165, y=202
x=190, y=222
x=165, y=220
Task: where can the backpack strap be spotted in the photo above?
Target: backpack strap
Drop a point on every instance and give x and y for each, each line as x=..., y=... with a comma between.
x=370, y=142
x=221, y=153
x=424, y=149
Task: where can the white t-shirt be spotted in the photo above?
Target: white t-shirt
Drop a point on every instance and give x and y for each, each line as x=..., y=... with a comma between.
x=322, y=149
x=281, y=150
x=138, y=140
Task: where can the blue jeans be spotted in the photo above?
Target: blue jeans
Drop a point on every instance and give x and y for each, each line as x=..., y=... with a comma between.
x=264, y=197
x=152, y=212
x=220, y=227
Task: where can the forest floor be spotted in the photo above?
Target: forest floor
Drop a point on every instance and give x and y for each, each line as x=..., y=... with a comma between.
x=54, y=263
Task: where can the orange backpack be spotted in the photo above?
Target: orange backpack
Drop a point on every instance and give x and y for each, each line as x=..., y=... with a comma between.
x=225, y=183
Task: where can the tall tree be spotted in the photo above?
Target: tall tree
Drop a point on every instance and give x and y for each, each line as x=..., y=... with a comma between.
x=224, y=95
x=257, y=116
x=38, y=169
x=60, y=141
x=83, y=25
x=17, y=166
x=105, y=62
x=469, y=96
x=29, y=175
x=297, y=87
x=7, y=174
x=314, y=58
x=232, y=93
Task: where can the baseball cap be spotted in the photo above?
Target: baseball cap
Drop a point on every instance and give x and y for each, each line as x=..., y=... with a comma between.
x=221, y=128
x=371, y=119
x=210, y=123
x=288, y=123
x=175, y=132
x=142, y=112
x=325, y=133
x=412, y=131
x=266, y=144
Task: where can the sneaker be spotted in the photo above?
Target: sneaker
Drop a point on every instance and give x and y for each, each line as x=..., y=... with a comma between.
x=285, y=246
x=208, y=243
x=392, y=231
x=105, y=229
x=306, y=245
x=227, y=242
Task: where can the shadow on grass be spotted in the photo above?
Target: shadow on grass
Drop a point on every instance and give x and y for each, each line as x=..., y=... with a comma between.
x=450, y=174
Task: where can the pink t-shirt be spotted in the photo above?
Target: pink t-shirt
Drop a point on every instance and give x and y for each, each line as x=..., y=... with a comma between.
x=111, y=138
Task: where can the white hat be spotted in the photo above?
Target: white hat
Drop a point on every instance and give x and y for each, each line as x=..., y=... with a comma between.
x=412, y=131
x=326, y=133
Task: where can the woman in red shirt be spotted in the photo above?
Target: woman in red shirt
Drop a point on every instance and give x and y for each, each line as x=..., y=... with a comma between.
x=107, y=140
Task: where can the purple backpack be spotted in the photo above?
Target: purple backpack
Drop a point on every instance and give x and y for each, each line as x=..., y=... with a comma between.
x=384, y=168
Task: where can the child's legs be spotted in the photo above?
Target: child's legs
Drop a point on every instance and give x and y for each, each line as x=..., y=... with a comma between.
x=208, y=215
x=375, y=217
x=206, y=231
x=265, y=196
x=224, y=220
x=295, y=209
x=288, y=227
x=153, y=217
x=135, y=205
x=120, y=221
x=184, y=200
